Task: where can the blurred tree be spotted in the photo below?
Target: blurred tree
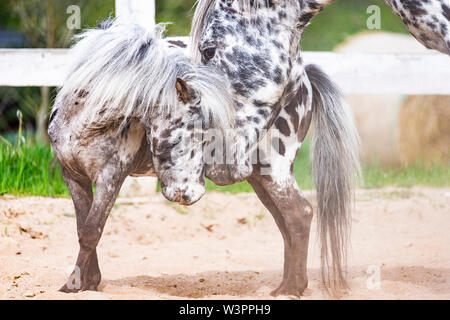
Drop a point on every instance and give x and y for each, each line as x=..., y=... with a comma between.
x=7, y=20
x=25, y=99
x=177, y=11
x=44, y=24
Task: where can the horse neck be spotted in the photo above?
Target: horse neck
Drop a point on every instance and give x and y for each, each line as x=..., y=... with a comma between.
x=246, y=110
x=394, y=4
x=309, y=9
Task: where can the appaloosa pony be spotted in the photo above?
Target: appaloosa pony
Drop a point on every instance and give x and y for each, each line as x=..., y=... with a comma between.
x=427, y=20
x=276, y=97
x=256, y=45
x=131, y=105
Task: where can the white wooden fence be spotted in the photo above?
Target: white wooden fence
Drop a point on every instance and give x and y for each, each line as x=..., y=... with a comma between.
x=355, y=73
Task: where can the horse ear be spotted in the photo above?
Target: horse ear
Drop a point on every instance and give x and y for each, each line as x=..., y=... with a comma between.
x=185, y=92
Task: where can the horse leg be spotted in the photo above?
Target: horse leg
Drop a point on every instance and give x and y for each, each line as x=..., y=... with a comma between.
x=81, y=191
x=86, y=275
x=293, y=215
x=274, y=182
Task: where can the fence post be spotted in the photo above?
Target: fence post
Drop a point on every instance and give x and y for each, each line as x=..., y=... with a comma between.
x=138, y=11
x=141, y=12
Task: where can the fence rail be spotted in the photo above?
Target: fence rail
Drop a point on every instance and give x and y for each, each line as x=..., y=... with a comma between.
x=355, y=73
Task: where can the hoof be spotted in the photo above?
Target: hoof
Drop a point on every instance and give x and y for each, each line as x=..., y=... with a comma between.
x=289, y=290
x=91, y=288
x=72, y=289
x=66, y=289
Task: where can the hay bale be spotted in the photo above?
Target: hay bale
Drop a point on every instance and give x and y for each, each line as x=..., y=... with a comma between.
x=381, y=42
x=382, y=120
x=376, y=118
x=424, y=129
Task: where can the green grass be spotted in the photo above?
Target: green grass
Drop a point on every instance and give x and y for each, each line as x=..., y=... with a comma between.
x=343, y=19
x=437, y=175
x=31, y=169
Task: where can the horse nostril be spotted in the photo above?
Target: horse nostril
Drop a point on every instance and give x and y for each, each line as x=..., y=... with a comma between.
x=178, y=195
x=208, y=54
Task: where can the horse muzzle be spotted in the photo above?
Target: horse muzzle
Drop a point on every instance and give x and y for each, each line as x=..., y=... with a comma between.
x=184, y=194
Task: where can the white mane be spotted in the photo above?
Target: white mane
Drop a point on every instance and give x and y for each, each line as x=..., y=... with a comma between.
x=126, y=71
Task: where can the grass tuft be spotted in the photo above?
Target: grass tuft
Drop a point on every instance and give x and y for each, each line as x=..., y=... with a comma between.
x=29, y=169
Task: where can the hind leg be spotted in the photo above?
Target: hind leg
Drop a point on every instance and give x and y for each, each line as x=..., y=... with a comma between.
x=86, y=275
x=293, y=215
x=274, y=182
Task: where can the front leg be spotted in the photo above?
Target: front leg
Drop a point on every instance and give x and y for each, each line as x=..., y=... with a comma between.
x=86, y=275
x=80, y=189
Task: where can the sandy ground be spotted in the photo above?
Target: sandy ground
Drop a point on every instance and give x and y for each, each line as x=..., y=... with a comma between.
x=224, y=247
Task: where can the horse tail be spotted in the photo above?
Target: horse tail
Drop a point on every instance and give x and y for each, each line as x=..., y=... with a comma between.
x=335, y=165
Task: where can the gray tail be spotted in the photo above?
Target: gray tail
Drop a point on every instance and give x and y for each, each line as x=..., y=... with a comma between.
x=335, y=166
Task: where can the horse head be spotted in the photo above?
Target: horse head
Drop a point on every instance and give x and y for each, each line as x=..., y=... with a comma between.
x=177, y=138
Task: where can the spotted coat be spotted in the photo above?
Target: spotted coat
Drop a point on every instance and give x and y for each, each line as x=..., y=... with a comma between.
x=260, y=55
x=427, y=20
x=256, y=45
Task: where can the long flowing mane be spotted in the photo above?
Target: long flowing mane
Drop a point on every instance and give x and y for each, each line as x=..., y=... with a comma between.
x=123, y=71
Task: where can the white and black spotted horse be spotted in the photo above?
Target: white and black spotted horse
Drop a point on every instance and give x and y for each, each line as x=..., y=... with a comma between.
x=255, y=44
x=257, y=49
x=133, y=104
x=427, y=20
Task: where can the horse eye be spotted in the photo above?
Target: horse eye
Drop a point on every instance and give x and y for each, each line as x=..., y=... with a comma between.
x=208, y=54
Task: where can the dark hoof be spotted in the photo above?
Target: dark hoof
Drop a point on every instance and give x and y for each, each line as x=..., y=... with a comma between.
x=289, y=290
x=92, y=285
x=66, y=289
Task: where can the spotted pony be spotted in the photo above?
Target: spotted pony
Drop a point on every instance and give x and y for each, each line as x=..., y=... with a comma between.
x=427, y=20
x=133, y=104
x=256, y=45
